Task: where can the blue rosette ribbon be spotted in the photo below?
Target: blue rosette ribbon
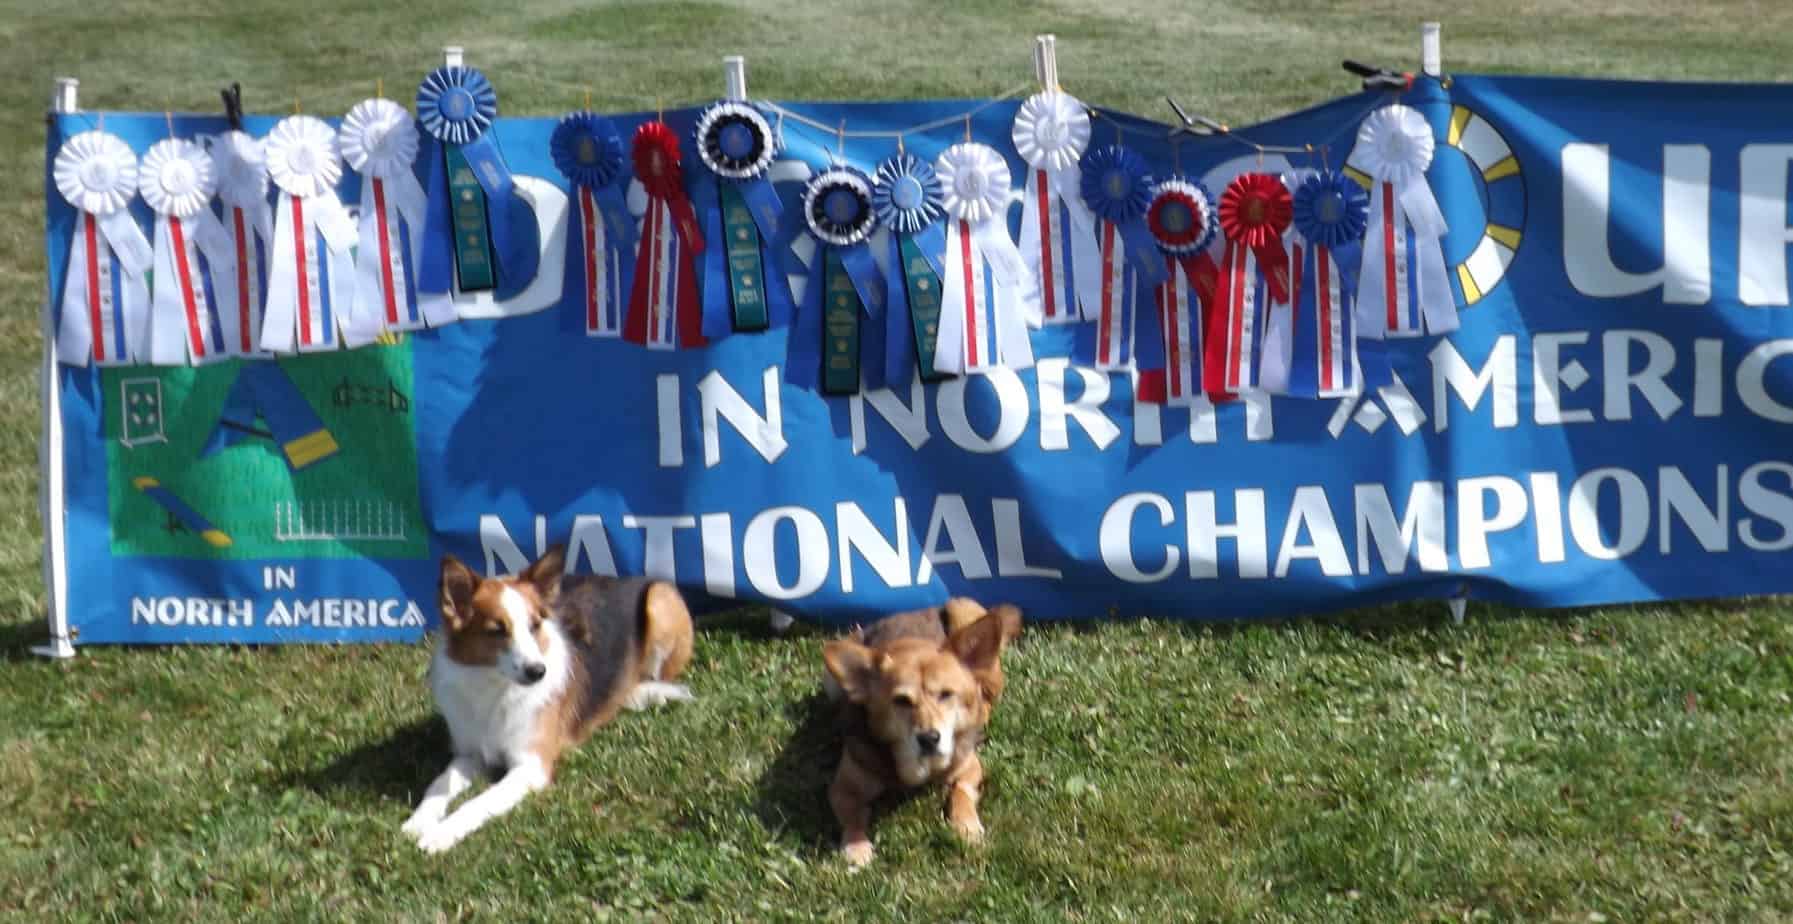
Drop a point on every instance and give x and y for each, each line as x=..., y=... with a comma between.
x=827, y=338
x=744, y=281
x=1117, y=187
x=906, y=200
x=588, y=151
x=1326, y=358
x=1333, y=212
x=478, y=234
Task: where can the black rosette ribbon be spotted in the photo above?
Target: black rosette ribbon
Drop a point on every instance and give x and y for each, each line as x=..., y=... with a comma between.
x=740, y=208
x=827, y=338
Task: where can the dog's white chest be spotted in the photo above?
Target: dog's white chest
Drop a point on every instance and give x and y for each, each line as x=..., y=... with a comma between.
x=489, y=716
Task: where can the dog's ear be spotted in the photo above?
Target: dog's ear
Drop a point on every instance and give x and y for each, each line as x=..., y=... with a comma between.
x=457, y=586
x=545, y=574
x=853, y=666
x=977, y=645
x=1010, y=616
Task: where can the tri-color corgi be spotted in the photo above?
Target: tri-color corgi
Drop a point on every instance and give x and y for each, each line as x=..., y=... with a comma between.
x=527, y=667
x=915, y=693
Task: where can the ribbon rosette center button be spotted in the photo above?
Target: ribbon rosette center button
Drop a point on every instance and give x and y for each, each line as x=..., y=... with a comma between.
x=178, y=177
x=97, y=176
x=456, y=103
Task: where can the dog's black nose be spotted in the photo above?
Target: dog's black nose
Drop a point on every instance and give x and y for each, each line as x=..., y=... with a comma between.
x=929, y=741
x=534, y=672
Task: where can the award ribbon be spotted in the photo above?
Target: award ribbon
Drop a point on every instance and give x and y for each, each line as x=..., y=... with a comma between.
x=311, y=279
x=1182, y=221
x=379, y=141
x=176, y=181
x=472, y=198
x=826, y=341
x=740, y=208
x=600, y=235
x=1058, y=232
x=105, y=295
x=242, y=170
x=1310, y=348
x=1254, y=270
x=988, y=298
x=1118, y=187
x=907, y=201
x=1405, y=290
x=664, y=309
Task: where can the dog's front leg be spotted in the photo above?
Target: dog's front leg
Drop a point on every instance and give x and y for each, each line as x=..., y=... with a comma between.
x=524, y=777
x=851, y=795
x=963, y=791
x=461, y=773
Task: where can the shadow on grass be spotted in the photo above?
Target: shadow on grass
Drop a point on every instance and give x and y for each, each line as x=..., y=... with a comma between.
x=16, y=639
x=792, y=794
x=397, y=768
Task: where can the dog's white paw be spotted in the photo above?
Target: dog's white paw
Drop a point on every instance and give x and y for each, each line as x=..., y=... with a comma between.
x=857, y=854
x=421, y=820
x=439, y=838
x=649, y=694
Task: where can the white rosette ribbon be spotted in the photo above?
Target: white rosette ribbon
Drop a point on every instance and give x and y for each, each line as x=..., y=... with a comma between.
x=177, y=181
x=311, y=280
x=981, y=326
x=105, y=294
x=378, y=140
x=1058, y=232
x=241, y=166
x=1394, y=147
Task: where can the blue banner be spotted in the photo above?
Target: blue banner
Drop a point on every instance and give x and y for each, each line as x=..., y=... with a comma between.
x=1609, y=423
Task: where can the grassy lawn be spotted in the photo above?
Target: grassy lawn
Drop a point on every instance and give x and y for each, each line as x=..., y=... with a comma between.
x=1621, y=764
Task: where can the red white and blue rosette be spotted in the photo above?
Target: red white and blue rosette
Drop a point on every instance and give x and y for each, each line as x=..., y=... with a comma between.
x=1051, y=132
x=828, y=338
x=988, y=295
x=1182, y=219
x=1315, y=347
x=378, y=140
x=105, y=292
x=177, y=182
x=741, y=208
x=1117, y=186
x=1404, y=290
x=908, y=203
x=587, y=149
x=468, y=182
x=311, y=303
x=664, y=308
x=241, y=166
x=1254, y=213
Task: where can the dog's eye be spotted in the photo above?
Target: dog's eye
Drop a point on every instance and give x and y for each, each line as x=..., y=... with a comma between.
x=946, y=696
x=902, y=701
x=497, y=630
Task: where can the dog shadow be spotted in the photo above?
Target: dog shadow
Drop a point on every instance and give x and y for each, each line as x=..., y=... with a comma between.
x=792, y=794
x=397, y=768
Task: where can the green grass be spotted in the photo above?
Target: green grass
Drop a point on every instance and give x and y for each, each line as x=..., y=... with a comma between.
x=1625, y=763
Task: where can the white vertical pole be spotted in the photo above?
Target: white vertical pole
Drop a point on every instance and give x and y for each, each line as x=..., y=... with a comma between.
x=1045, y=61
x=452, y=56
x=734, y=78
x=51, y=493
x=1431, y=61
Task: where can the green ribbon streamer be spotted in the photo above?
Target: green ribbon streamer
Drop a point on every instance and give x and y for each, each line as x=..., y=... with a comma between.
x=746, y=279
x=472, y=237
x=924, y=305
x=840, y=328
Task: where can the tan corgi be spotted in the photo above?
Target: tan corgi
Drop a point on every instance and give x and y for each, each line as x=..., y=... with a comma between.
x=528, y=667
x=916, y=691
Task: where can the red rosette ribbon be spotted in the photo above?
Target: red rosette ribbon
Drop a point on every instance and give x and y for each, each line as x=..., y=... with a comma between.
x=657, y=167
x=1255, y=210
